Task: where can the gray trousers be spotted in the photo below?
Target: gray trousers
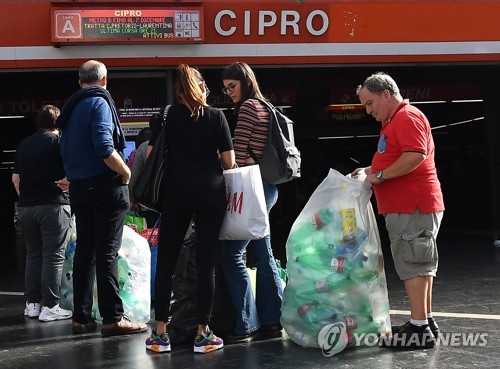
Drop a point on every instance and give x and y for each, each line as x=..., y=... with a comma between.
x=47, y=229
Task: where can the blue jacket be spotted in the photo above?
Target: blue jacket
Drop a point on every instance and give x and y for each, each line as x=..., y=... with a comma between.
x=87, y=139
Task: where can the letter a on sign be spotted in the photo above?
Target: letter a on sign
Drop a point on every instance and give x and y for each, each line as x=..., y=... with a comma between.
x=68, y=25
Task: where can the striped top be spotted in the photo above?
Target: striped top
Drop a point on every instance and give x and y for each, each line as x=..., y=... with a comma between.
x=251, y=130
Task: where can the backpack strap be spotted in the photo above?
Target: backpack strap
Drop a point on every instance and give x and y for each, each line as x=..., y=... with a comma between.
x=270, y=109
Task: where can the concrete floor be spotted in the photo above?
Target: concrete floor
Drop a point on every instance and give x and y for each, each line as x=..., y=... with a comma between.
x=466, y=300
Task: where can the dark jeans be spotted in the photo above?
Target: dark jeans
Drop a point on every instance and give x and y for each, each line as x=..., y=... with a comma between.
x=208, y=208
x=46, y=231
x=100, y=207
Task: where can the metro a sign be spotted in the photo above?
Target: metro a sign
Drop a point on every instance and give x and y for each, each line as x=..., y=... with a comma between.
x=68, y=25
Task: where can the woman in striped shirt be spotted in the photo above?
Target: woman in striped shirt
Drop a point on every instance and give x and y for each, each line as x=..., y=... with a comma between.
x=257, y=318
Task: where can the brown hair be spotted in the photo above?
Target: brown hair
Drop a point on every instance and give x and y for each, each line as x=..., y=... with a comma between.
x=46, y=117
x=187, y=90
x=240, y=71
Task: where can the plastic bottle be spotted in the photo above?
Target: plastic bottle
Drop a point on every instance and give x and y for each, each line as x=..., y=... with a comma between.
x=333, y=282
x=301, y=337
x=300, y=236
x=315, y=313
x=363, y=274
x=314, y=261
x=123, y=272
x=358, y=241
x=299, y=274
x=352, y=322
x=345, y=265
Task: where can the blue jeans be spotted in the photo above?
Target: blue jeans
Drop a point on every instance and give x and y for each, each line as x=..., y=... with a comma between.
x=265, y=309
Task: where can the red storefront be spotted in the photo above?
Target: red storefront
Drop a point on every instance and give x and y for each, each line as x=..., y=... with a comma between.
x=308, y=56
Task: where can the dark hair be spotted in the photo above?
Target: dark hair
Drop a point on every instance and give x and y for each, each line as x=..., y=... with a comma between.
x=241, y=71
x=187, y=90
x=46, y=117
x=92, y=71
x=144, y=135
x=379, y=82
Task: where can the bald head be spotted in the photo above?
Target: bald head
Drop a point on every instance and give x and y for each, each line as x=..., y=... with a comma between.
x=92, y=73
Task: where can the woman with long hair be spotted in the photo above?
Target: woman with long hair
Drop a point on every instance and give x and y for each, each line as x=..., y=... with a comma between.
x=196, y=135
x=260, y=317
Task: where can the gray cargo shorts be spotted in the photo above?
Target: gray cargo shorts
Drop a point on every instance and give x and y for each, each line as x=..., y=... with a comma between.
x=413, y=242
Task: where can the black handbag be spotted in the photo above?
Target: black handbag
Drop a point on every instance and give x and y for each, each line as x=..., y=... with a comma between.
x=148, y=188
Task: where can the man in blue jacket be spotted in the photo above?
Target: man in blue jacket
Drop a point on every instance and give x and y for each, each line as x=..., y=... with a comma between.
x=92, y=146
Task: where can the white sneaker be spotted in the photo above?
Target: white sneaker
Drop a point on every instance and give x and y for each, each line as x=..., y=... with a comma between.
x=32, y=309
x=56, y=313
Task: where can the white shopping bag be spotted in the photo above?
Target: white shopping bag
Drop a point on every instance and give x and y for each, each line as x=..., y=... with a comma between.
x=246, y=214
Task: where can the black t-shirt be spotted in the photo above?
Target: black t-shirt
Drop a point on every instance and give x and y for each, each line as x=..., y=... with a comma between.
x=39, y=165
x=193, y=146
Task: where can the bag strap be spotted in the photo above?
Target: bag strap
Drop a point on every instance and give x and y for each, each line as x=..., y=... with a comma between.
x=252, y=154
x=156, y=226
x=270, y=108
x=165, y=113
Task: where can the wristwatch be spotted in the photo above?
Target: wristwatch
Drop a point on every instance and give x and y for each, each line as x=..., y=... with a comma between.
x=379, y=175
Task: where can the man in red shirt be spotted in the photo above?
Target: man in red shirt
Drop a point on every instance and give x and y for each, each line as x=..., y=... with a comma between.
x=408, y=192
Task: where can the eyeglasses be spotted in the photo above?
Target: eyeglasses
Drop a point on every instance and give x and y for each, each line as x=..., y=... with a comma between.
x=229, y=88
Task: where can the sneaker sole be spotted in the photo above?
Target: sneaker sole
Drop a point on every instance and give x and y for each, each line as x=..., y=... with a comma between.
x=208, y=348
x=53, y=318
x=31, y=316
x=158, y=348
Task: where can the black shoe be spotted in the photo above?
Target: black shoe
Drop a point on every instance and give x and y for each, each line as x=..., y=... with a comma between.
x=241, y=338
x=410, y=336
x=434, y=327
x=268, y=331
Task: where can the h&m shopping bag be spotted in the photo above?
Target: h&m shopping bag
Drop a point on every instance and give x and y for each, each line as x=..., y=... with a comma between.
x=246, y=214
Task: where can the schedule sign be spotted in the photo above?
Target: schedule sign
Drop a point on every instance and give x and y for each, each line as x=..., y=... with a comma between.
x=182, y=24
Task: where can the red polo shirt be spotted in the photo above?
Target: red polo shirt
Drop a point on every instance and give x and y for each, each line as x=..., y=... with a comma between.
x=407, y=130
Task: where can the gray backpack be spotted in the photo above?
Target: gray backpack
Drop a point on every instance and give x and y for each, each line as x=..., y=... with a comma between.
x=280, y=162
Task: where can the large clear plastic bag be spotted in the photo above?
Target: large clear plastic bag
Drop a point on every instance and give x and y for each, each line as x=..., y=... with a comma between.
x=66, y=288
x=335, y=266
x=134, y=273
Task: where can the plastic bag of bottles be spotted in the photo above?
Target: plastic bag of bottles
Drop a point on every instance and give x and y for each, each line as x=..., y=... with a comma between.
x=66, y=288
x=134, y=260
x=335, y=266
x=134, y=277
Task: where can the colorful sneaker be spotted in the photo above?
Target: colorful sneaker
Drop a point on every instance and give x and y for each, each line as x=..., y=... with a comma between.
x=32, y=309
x=205, y=344
x=55, y=313
x=158, y=342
